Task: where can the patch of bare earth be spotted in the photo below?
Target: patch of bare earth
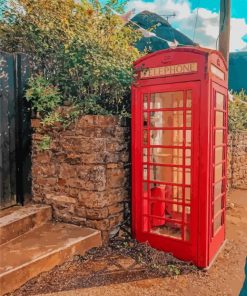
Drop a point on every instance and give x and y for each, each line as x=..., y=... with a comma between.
x=129, y=268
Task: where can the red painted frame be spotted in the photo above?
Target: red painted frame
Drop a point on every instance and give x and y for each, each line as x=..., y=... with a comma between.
x=204, y=84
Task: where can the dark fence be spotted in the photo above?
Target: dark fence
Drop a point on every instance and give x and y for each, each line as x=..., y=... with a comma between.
x=15, y=131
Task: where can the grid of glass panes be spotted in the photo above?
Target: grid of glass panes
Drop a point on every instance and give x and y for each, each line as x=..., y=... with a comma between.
x=219, y=163
x=167, y=122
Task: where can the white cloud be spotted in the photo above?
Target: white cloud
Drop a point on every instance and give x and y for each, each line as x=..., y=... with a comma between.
x=207, y=29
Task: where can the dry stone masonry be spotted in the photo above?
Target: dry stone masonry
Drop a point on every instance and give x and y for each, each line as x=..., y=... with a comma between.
x=84, y=173
x=237, y=159
x=83, y=170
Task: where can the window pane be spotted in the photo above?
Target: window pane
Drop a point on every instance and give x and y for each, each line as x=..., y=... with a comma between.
x=188, y=138
x=145, y=101
x=188, y=118
x=145, y=172
x=145, y=137
x=187, y=176
x=218, y=205
x=166, y=138
x=166, y=100
x=220, y=101
x=167, y=156
x=218, y=188
x=145, y=119
x=166, y=174
x=189, y=99
x=219, y=120
x=187, y=214
x=145, y=155
x=217, y=223
x=166, y=119
x=187, y=194
x=168, y=229
x=219, y=156
x=218, y=172
x=170, y=193
x=187, y=157
x=219, y=137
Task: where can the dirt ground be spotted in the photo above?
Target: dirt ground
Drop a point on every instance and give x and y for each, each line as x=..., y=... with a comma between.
x=124, y=276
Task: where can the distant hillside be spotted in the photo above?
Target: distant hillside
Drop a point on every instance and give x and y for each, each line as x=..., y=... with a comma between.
x=149, y=20
x=162, y=28
x=238, y=71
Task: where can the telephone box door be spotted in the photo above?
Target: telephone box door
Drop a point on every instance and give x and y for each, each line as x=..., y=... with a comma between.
x=167, y=188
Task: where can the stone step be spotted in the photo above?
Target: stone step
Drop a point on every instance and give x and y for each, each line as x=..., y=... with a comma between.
x=17, y=220
x=40, y=250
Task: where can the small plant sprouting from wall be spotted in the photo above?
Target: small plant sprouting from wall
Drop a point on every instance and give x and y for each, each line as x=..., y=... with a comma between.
x=45, y=143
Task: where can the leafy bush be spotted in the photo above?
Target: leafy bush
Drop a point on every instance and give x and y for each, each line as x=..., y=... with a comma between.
x=237, y=119
x=43, y=96
x=79, y=47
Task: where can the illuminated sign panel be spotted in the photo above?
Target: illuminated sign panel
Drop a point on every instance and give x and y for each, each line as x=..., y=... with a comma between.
x=170, y=70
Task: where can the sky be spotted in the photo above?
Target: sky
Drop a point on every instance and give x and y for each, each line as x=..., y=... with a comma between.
x=207, y=29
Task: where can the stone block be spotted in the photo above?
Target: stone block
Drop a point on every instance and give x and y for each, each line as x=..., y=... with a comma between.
x=115, y=178
x=97, y=213
x=103, y=224
x=60, y=199
x=67, y=171
x=116, y=208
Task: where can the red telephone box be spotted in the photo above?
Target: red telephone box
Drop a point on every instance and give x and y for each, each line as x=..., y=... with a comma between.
x=179, y=150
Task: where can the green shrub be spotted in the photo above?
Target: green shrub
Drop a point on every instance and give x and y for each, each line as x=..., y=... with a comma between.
x=82, y=48
x=43, y=96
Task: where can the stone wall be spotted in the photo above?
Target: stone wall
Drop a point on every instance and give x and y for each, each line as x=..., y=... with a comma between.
x=84, y=174
x=237, y=159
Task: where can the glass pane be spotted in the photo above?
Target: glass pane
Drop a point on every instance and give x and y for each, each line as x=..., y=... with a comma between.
x=166, y=100
x=219, y=137
x=217, y=223
x=187, y=195
x=220, y=101
x=188, y=118
x=187, y=176
x=218, y=205
x=166, y=174
x=167, y=156
x=145, y=155
x=187, y=214
x=187, y=157
x=219, y=120
x=218, y=188
x=188, y=138
x=169, y=193
x=145, y=172
x=166, y=138
x=168, y=229
x=145, y=101
x=218, y=172
x=145, y=119
x=219, y=156
x=166, y=119
x=189, y=99
x=145, y=137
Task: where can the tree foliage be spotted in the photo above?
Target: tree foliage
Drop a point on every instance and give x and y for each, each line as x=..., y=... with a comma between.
x=237, y=119
x=80, y=47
